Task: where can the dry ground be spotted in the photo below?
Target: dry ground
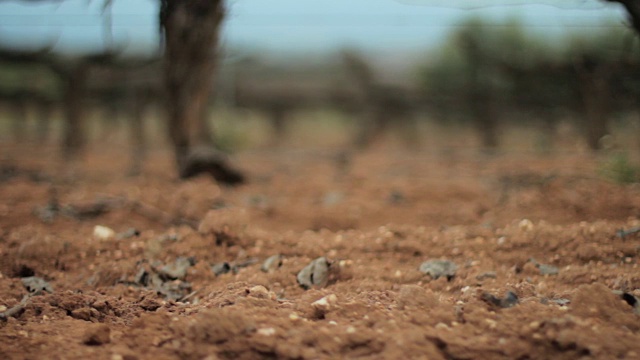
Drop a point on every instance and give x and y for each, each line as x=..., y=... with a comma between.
x=376, y=216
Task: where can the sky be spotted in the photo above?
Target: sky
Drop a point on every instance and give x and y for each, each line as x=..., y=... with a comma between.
x=295, y=25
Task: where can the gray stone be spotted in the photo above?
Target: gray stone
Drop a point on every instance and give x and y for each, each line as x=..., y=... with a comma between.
x=272, y=263
x=221, y=268
x=36, y=285
x=439, y=268
x=177, y=270
x=316, y=274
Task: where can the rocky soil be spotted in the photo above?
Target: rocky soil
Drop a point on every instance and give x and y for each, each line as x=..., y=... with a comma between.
x=319, y=256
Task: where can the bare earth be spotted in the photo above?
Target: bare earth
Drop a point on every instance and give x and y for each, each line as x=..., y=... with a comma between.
x=543, y=228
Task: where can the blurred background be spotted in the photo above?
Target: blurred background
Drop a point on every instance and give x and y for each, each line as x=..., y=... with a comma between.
x=486, y=76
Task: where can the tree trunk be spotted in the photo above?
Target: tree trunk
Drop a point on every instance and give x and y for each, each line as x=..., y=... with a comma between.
x=595, y=93
x=138, y=139
x=480, y=98
x=191, y=35
x=44, y=119
x=73, y=140
x=633, y=10
x=19, y=119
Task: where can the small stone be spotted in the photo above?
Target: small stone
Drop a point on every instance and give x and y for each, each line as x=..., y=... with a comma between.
x=547, y=269
x=36, y=285
x=534, y=325
x=97, y=335
x=325, y=304
x=272, y=263
x=103, y=233
x=314, y=274
x=486, y=275
x=177, y=270
x=221, y=268
x=131, y=232
x=544, y=268
x=3, y=308
x=509, y=300
x=266, y=331
x=561, y=302
x=439, y=268
x=259, y=291
x=326, y=301
x=525, y=225
x=351, y=330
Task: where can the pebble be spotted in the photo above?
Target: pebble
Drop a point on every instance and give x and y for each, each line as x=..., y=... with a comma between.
x=486, y=275
x=439, y=268
x=272, y=263
x=525, y=225
x=266, y=331
x=259, y=291
x=314, y=274
x=544, y=268
x=509, y=300
x=561, y=302
x=178, y=270
x=221, y=268
x=131, y=232
x=547, y=269
x=101, y=232
x=36, y=285
x=326, y=303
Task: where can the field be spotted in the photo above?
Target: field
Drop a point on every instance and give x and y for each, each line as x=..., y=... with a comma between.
x=543, y=270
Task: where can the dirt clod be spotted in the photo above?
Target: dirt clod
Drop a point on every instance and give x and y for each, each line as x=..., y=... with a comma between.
x=98, y=334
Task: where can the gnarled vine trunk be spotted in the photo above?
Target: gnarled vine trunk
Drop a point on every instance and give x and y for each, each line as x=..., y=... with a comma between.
x=191, y=35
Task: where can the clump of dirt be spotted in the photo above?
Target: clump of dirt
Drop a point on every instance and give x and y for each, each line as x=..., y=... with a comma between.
x=536, y=266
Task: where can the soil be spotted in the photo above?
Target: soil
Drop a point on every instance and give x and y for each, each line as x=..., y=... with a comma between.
x=541, y=269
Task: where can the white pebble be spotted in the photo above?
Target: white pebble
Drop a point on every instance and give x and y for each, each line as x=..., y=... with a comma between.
x=267, y=331
x=103, y=233
x=525, y=225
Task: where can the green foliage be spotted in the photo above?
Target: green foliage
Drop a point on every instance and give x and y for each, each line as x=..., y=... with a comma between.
x=619, y=168
x=33, y=78
x=522, y=70
x=610, y=42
